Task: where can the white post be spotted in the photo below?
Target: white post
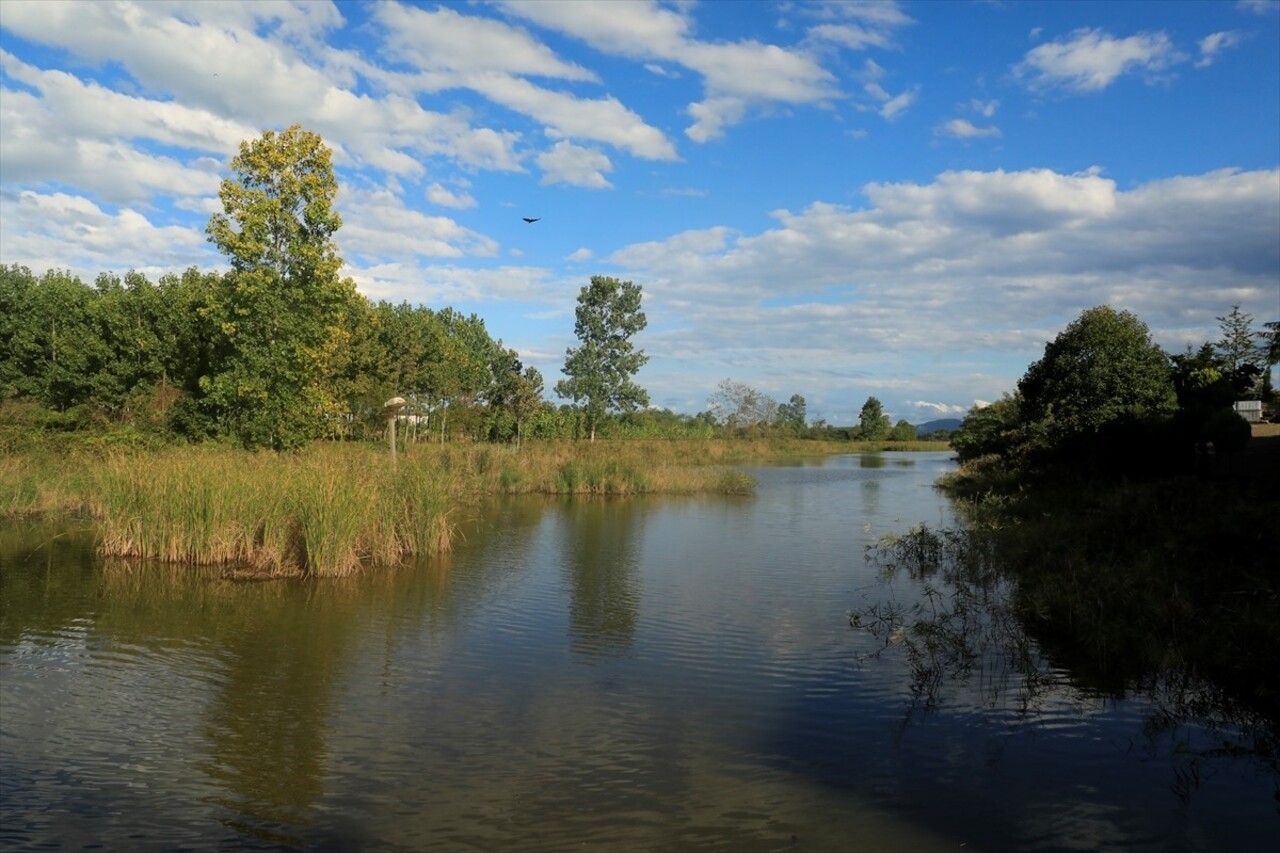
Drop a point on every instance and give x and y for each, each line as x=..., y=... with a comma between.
x=392, y=408
x=393, y=441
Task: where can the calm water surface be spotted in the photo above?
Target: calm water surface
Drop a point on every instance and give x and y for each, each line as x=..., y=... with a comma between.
x=652, y=674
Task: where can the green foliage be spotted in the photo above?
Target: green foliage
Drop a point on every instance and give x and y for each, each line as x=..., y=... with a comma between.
x=873, y=423
x=1102, y=368
x=902, y=431
x=1243, y=358
x=793, y=414
x=600, y=369
x=279, y=313
x=990, y=429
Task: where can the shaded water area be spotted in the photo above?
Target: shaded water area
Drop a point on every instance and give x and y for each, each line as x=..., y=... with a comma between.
x=640, y=674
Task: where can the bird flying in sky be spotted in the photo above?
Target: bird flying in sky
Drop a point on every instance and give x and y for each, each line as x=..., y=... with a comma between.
x=531, y=221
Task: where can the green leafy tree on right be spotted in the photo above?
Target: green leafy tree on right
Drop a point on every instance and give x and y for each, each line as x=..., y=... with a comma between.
x=1101, y=369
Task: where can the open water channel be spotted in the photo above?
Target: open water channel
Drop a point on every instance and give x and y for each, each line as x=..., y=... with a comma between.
x=585, y=674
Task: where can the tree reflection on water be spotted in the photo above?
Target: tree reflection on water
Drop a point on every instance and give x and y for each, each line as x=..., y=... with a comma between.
x=970, y=622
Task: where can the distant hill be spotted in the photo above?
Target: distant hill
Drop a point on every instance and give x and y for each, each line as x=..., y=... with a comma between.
x=933, y=426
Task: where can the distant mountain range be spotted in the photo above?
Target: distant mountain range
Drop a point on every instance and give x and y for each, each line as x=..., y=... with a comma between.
x=933, y=426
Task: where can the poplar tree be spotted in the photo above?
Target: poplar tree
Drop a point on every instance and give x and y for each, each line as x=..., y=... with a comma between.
x=279, y=311
x=600, y=370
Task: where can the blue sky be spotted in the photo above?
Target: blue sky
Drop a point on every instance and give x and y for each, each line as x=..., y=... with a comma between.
x=839, y=200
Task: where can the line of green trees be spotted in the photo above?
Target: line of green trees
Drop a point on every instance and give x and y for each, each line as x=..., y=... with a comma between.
x=1107, y=400
x=276, y=352
x=281, y=350
x=178, y=358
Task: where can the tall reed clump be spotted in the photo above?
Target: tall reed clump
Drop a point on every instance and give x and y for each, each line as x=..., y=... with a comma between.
x=326, y=512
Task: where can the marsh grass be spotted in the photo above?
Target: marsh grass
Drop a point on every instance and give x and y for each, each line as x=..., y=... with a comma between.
x=328, y=511
x=334, y=508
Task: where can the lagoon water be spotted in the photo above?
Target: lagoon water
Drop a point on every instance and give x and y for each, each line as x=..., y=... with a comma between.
x=605, y=675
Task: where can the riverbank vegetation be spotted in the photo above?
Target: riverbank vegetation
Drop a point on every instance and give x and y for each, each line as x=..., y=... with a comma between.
x=332, y=508
x=240, y=417
x=1118, y=521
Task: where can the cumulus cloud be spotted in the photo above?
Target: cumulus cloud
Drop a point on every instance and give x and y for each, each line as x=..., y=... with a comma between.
x=986, y=109
x=437, y=284
x=65, y=231
x=939, y=408
x=977, y=265
x=572, y=164
x=1259, y=7
x=736, y=75
x=1090, y=60
x=444, y=40
x=441, y=195
x=582, y=254
x=212, y=58
x=377, y=225
x=898, y=104
x=855, y=26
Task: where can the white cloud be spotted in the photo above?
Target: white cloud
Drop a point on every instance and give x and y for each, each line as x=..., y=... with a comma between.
x=939, y=408
x=443, y=40
x=1090, y=60
x=712, y=116
x=986, y=109
x=1258, y=7
x=896, y=105
x=63, y=231
x=440, y=285
x=582, y=254
x=737, y=75
x=438, y=194
x=211, y=59
x=1212, y=45
x=602, y=119
x=851, y=36
x=378, y=227
x=492, y=58
x=572, y=164
x=979, y=265
x=855, y=26
x=892, y=105
x=961, y=128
